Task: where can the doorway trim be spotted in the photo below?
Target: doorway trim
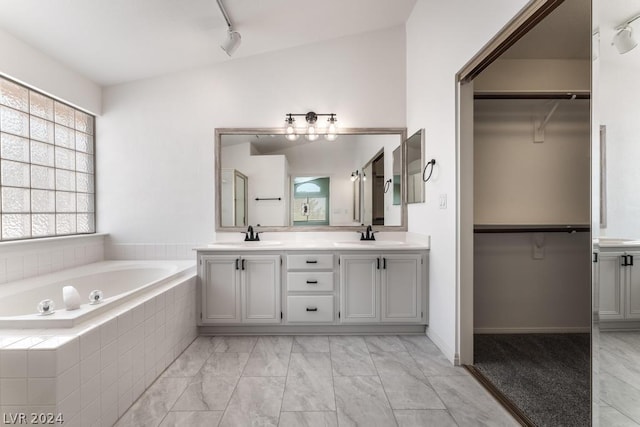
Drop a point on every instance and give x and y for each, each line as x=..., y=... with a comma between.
x=534, y=12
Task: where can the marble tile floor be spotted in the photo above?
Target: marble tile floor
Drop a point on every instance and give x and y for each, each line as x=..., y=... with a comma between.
x=315, y=381
x=620, y=379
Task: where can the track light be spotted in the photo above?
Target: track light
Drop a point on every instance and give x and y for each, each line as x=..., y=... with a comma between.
x=231, y=42
x=623, y=40
x=232, y=39
x=312, y=131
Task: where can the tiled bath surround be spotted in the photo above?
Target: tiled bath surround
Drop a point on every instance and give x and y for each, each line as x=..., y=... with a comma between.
x=27, y=258
x=92, y=373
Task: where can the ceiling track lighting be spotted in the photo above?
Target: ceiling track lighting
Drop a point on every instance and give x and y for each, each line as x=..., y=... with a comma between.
x=624, y=40
x=232, y=39
x=311, y=131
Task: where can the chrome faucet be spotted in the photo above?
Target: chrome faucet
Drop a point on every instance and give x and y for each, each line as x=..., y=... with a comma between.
x=369, y=235
x=249, y=236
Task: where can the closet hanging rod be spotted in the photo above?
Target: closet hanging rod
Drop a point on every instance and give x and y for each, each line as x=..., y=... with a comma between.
x=530, y=228
x=524, y=95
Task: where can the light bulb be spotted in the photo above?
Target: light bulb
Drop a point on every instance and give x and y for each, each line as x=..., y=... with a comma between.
x=353, y=177
x=364, y=177
x=290, y=128
x=331, y=137
x=311, y=132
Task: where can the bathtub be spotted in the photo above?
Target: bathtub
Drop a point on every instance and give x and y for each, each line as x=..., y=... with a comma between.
x=118, y=280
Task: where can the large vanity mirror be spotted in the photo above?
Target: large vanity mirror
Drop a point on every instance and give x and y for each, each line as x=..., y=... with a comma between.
x=265, y=180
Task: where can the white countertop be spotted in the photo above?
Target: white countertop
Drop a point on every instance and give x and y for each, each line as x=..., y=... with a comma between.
x=295, y=245
x=609, y=242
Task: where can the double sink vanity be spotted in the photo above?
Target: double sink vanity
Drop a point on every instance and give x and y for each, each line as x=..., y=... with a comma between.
x=311, y=196
x=313, y=286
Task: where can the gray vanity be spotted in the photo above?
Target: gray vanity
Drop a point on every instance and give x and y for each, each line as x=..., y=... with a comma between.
x=313, y=287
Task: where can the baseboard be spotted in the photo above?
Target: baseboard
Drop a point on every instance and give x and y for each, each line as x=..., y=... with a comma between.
x=619, y=325
x=449, y=353
x=311, y=329
x=534, y=330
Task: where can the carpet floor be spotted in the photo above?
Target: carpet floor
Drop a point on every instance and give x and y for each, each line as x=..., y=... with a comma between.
x=547, y=376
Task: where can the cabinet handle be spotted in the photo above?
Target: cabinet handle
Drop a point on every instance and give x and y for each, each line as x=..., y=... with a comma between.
x=384, y=263
x=243, y=263
x=312, y=308
x=625, y=260
x=378, y=263
x=237, y=261
x=312, y=282
x=595, y=257
x=312, y=261
x=631, y=257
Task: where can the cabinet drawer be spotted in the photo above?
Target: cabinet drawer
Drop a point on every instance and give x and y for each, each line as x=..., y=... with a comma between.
x=310, y=281
x=310, y=262
x=310, y=309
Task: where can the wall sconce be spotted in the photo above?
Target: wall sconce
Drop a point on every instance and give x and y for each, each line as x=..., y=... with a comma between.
x=623, y=40
x=387, y=185
x=311, y=132
x=355, y=175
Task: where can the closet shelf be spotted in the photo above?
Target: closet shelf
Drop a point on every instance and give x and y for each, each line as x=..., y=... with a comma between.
x=531, y=228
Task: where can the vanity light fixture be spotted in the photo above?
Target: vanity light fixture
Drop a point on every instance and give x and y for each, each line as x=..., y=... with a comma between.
x=232, y=39
x=312, y=131
x=355, y=175
x=623, y=40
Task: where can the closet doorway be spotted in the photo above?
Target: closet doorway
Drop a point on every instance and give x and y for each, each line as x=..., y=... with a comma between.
x=524, y=233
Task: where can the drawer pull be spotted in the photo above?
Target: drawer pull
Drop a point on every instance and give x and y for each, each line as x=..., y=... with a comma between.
x=312, y=261
x=312, y=282
x=312, y=308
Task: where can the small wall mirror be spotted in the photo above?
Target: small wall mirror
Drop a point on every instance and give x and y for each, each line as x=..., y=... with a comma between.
x=265, y=180
x=414, y=164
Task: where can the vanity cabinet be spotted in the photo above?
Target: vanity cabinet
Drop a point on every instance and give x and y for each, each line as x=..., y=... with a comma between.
x=240, y=289
x=381, y=288
x=310, y=288
x=619, y=274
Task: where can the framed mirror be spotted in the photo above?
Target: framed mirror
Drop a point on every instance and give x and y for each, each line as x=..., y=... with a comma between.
x=312, y=185
x=414, y=165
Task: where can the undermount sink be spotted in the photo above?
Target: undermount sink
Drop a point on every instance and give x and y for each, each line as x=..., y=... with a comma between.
x=370, y=243
x=248, y=243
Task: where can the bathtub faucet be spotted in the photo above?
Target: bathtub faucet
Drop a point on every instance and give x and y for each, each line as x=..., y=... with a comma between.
x=250, y=237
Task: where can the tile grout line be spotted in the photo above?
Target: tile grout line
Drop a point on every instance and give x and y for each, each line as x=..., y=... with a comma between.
x=384, y=390
x=284, y=389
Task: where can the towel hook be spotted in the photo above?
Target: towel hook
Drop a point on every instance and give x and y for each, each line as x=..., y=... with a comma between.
x=387, y=183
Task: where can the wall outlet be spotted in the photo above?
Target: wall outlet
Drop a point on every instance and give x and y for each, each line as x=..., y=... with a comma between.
x=442, y=201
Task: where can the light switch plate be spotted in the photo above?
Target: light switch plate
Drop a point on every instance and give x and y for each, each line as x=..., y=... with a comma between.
x=443, y=201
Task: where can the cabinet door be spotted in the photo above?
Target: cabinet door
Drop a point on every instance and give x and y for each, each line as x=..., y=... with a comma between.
x=220, y=289
x=401, y=288
x=359, y=288
x=611, y=287
x=633, y=286
x=260, y=288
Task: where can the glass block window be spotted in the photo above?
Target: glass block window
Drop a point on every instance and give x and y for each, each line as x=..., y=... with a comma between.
x=46, y=166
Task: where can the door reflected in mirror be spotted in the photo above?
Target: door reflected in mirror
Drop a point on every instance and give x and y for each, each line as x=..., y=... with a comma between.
x=415, y=166
x=301, y=184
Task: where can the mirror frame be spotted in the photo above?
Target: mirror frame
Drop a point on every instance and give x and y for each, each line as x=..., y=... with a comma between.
x=219, y=132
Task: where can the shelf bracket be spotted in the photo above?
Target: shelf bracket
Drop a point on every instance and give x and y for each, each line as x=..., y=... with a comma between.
x=540, y=125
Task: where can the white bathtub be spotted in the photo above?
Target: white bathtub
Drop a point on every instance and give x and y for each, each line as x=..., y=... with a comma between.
x=118, y=280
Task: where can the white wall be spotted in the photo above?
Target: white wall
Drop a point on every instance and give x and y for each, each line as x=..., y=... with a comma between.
x=441, y=38
x=519, y=181
x=542, y=75
x=33, y=68
x=619, y=111
x=515, y=293
x=155, y=160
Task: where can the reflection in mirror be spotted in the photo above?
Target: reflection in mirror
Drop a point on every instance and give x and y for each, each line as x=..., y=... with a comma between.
x=617, y=288
x=298, y=185
x=234, y=198
x=415, y=165
x=397, y=176
x=311, y=200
